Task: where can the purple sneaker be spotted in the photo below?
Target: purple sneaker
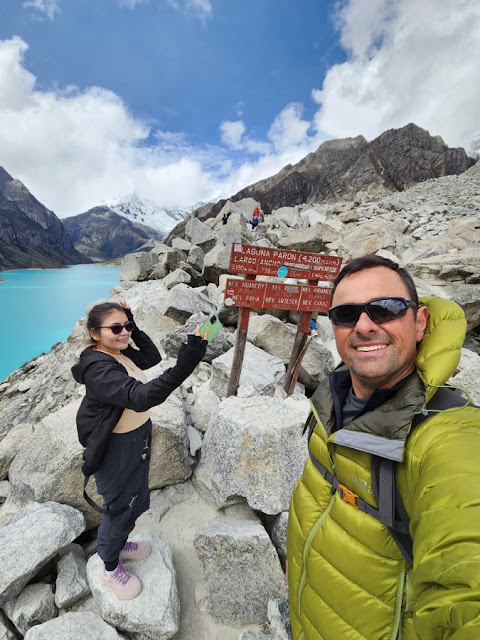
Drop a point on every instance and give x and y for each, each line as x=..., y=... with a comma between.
x=124, y=584
x=135, y=550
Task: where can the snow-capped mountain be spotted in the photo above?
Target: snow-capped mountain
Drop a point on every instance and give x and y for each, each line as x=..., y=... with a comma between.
x=141, y=210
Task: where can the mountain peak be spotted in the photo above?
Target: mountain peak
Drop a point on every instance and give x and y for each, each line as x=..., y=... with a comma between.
x=138, y=208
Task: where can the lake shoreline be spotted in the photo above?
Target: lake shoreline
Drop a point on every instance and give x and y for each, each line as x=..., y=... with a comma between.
x=42, y=306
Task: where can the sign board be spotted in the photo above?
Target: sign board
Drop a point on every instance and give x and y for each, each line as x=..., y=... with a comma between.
x=255, y=294
x=266, y=261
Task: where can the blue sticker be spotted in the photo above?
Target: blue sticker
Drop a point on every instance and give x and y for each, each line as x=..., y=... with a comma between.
x=282, y=272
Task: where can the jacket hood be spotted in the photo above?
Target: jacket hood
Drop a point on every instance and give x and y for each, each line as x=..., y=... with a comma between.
x=87, y=357
x=440, y=350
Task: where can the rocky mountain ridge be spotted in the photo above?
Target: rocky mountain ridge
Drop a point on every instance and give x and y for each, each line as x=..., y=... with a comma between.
x=31, y=236
x=102, y=234
x=222, y=468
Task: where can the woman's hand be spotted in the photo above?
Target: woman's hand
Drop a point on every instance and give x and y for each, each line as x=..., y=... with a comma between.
x=126, y=306
x=197, y=332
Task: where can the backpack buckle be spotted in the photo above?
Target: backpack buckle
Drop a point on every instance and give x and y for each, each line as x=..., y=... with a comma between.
x=348, y=496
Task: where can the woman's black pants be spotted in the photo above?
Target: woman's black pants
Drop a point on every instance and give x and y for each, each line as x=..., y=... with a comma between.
x=123, y=455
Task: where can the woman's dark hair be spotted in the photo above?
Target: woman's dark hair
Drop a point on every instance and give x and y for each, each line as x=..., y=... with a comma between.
x=99, y=312
x=369, y=262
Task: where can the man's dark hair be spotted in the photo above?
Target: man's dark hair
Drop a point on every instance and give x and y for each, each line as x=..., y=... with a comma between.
x=369, y=262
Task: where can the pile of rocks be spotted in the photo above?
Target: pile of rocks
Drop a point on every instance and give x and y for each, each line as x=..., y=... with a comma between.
x=222, y=468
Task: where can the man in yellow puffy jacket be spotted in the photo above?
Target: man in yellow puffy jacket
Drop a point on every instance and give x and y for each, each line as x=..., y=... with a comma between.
x=348, y=579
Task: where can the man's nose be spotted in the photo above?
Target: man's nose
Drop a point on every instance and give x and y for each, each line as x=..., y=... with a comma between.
x=365, y=323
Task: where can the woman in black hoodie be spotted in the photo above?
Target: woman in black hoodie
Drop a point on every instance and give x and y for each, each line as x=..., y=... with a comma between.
x=114, y=426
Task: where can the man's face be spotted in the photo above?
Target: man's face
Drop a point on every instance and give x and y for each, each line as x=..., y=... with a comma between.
x=377, y=355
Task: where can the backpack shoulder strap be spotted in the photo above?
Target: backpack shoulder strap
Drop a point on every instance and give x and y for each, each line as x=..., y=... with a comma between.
x=385, y=488
x=391, y=511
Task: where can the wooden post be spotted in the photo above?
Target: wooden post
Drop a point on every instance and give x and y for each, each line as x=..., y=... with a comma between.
x=303, y=330
x=239, y=351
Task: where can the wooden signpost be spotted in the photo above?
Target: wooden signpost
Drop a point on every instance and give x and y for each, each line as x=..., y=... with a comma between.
x=258, y=294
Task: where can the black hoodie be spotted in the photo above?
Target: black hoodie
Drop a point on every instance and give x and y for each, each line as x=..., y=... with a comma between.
x=110, y=390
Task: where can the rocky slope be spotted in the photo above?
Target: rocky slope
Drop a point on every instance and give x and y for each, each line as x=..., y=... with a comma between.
x=352, y=168
x=31, y=236
x=222, y=468
x=102, y=234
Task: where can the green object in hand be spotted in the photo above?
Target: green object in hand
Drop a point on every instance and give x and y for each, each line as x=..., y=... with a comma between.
x=211, y=327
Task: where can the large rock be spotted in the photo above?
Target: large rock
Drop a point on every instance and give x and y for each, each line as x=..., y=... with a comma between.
x=461, y=266
x=32, y=538
x=71, y=585
x=11, y=445
x=154, y=613
x=74, y=626
x=136, y=266
x=171, y=462
x=254, y=449
x=176, y=277
x=372, y=236
x=241, y=570
x=216, y=262
x=199, y=234
x=48, y=467
x=275, y=337
x=34, y=605
x=204, y=406
x=313, y=239
x=6, y=629
x=181, y=301
x=195, y=258
x=260, y=369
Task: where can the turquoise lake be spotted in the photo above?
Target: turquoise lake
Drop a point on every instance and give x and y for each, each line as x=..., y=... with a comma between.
x=40, y=307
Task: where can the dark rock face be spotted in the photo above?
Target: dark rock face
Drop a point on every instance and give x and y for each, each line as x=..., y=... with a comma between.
x=31, y=236
x=340, y=169
x=102, y=234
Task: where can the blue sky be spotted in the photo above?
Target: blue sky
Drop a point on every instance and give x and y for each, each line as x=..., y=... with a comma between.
x=191, y=100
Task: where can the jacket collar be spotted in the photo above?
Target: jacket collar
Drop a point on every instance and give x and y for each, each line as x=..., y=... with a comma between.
x=383, y=425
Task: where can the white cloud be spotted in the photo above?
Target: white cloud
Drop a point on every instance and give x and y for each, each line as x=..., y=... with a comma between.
x=409, y=61
x=232, y=133
x=45, y=7
x=198, y=8
x=288, y=129
x=131, y=4
x=75, y=149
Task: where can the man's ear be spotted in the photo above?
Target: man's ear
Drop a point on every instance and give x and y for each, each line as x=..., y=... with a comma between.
x=421, y=322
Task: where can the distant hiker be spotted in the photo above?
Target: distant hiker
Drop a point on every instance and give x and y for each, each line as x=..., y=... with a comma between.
x=254, y=223
x=226, y=217
x=313, y=325
x=114, y=426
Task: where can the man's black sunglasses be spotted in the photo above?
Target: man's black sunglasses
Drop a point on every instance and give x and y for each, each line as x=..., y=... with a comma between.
x=379, y=311
x=118, y=328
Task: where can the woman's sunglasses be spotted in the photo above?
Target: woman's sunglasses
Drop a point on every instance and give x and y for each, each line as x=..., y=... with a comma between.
x=118, y=328
x=379, y=311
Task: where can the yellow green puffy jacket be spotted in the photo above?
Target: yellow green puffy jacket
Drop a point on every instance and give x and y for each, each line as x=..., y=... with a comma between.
x=347, y=578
